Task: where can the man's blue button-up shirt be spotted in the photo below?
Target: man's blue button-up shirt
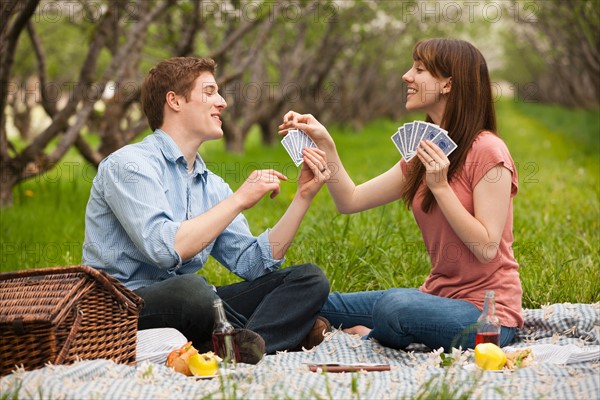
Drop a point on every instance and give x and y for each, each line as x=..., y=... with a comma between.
x=140, y=196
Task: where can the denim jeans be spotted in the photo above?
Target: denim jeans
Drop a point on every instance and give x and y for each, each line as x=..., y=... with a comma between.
x=280, y=306
x=399, y=317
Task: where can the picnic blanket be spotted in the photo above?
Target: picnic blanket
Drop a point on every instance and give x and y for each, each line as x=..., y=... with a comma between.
x=564, y=337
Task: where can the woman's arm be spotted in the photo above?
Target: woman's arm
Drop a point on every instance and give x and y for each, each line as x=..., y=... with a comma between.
x=482, y=231
x=348, y=197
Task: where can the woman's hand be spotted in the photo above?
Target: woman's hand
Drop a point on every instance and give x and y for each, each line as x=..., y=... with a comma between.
x=436, y=164
x=314, y=172
x=309, y=124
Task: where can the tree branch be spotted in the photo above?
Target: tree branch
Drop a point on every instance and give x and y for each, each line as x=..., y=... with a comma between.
x=241, y=31
x=7, y=9
x=251, y=56
x=49, y=106
x=185, y=46
x=116, y=70
x=60, y=120
x=8, y=45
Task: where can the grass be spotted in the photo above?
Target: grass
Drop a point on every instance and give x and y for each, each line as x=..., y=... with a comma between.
x=556, y=223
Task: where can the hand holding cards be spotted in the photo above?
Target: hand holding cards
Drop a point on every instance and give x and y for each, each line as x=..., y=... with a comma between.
x=294, y=142
x=409, y=135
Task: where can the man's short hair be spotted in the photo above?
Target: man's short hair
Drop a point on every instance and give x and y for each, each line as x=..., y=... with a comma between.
x=176, y=74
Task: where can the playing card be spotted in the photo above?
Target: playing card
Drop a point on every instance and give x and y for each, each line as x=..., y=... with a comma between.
x=402, y=135
x=420, y=128
x=411, y=134
x=409, y=137
x=293, y=134
x=296, y=137
x=431, y=131
x=304, y=140
x=308, y=142
x=287, y=144
x=443, y=141
x=294, y=153
x=294, y=142
x=398, y=143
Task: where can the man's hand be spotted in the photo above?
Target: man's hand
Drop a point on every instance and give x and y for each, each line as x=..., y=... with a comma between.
x=258, y=184
x=314, y=173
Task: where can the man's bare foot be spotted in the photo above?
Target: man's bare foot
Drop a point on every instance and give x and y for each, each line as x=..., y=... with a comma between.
x=360, y=330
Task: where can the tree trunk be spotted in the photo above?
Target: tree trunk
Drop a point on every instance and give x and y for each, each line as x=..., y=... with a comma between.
x=234, y=138
x=7, y=182
x=268, y=131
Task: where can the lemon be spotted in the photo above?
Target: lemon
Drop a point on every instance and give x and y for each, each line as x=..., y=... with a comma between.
x=488, y=356
x=203, y=365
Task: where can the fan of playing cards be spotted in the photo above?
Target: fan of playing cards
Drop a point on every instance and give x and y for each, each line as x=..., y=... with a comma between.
x=294, y=142
x=409, y=135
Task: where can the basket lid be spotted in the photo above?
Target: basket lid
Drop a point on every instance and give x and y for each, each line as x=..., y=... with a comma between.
x=46, y=294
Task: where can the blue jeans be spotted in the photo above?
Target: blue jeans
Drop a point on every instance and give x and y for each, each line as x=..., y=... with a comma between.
x=281, y=306
x=399, y=317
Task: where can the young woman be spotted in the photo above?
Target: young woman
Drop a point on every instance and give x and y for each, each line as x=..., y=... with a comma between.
x=462, y=204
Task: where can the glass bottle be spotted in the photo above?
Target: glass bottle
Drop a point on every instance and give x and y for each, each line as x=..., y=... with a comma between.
x=488, y=323
x=223, y=336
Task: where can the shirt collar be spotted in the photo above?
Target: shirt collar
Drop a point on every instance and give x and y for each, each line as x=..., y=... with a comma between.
x=173, y=153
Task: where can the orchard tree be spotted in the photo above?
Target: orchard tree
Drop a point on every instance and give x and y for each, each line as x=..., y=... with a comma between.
x=553, y=42
x=81, y=63
x=118, y=41
x=68, y=113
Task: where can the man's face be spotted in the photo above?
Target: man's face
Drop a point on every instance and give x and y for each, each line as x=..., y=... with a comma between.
x=201, y=114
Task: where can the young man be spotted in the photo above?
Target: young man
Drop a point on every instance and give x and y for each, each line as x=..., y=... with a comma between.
x=156, y=213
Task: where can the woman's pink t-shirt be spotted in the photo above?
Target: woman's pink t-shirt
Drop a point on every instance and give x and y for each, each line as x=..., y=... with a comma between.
x=456, y=273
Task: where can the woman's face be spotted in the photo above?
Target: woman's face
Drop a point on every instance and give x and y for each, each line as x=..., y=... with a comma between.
x=426, y=92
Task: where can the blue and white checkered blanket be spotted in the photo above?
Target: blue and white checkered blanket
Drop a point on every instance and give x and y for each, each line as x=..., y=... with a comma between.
x=564, y=337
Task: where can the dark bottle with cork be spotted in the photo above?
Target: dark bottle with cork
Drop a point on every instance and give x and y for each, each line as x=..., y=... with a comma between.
x=223, y=337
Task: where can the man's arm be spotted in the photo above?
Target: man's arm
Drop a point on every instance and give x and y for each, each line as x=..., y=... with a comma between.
x=197, y=233
x=250, y=257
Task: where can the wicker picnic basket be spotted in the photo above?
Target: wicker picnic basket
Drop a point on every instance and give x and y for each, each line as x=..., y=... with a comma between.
x=60, y=315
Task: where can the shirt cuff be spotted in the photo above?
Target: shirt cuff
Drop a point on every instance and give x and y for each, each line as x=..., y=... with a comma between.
x=171, y=256
x=270, y=263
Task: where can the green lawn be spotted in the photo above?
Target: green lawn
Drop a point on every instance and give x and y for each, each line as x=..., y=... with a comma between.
x=557, y=211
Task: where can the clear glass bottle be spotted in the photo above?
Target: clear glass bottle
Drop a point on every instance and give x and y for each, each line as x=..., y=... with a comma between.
x=223, y=336
x=488, y=323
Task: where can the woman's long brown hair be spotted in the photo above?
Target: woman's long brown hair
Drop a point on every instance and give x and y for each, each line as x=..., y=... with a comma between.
x=469, y=109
